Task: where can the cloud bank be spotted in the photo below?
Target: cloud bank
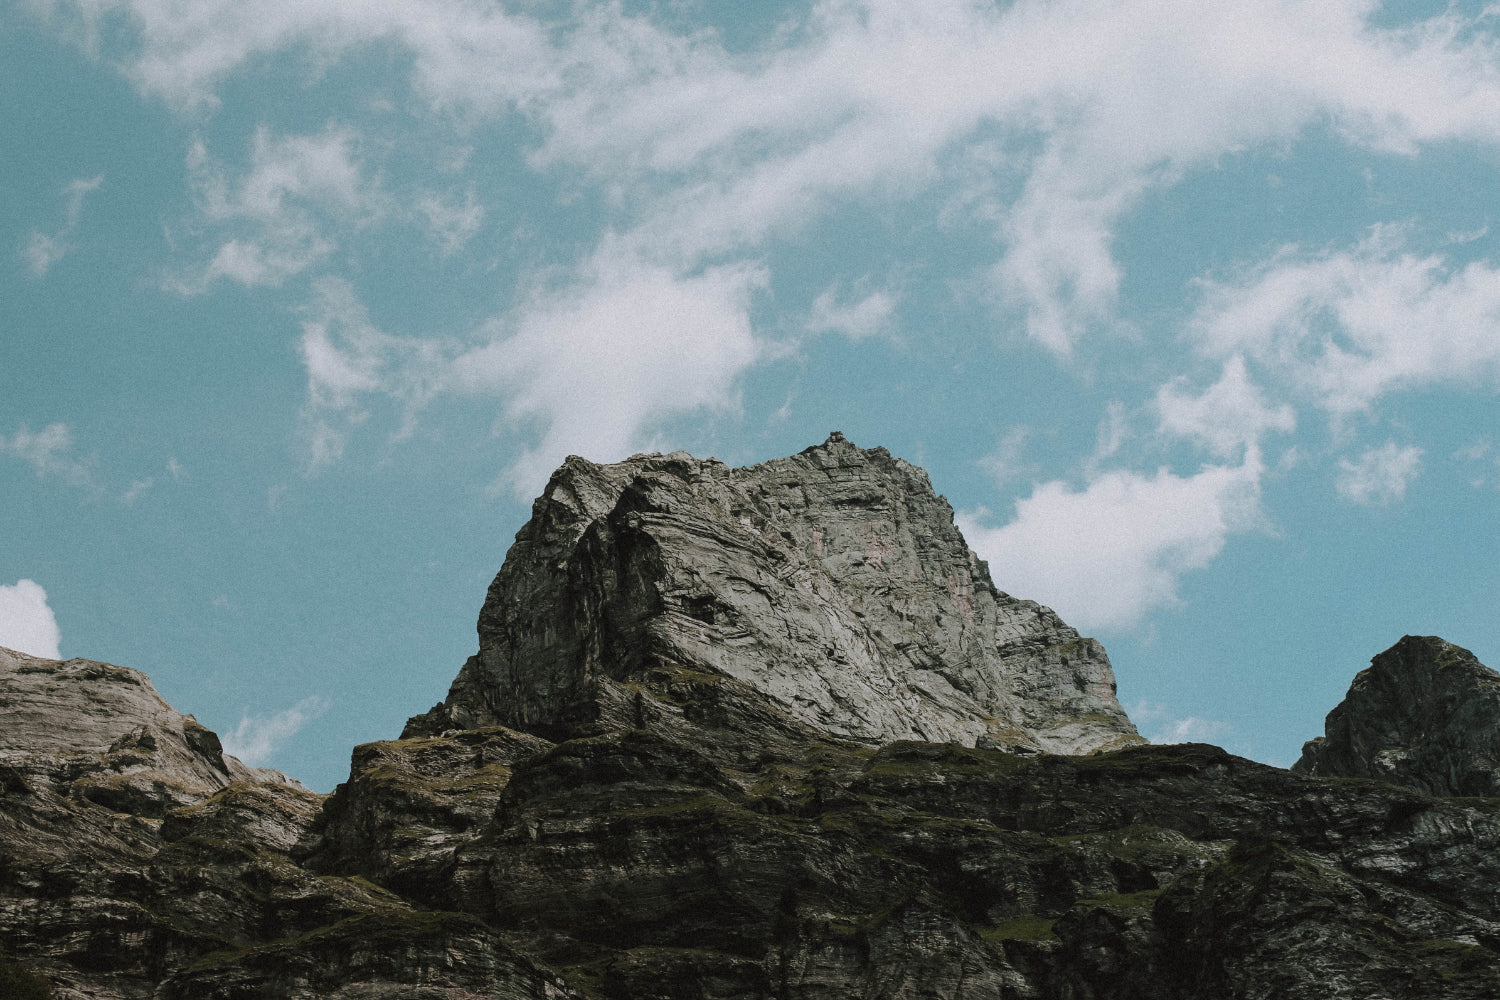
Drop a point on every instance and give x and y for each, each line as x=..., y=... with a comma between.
x=27, y=623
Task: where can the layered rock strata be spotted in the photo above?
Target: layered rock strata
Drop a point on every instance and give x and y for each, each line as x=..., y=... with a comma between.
x=1425, y=714
x=663, y=818
x=831, y=587
x=138, y=860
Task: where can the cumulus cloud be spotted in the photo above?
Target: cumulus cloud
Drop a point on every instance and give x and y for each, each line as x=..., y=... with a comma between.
x=599, y=362
x=48, y=451
x=1379, y=476
x=41, y=251
x=1350, y=326
x=27, y=623
x=1107, y=555
x=1230, y=415
x=255, y=738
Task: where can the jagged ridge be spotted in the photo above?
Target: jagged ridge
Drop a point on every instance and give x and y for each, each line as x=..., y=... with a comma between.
x=831, y=588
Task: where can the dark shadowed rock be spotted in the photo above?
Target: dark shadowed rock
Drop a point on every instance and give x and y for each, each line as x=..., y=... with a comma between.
x=831, y=588
x=1424, y=714
x=672, y=772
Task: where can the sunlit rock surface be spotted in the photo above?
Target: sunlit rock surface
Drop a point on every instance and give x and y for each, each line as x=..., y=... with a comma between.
x=831, y=586
x=682, y=766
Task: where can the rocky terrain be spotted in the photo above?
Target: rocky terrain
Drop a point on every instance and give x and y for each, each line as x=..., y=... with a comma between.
x=1424, y=714
x=763, y=732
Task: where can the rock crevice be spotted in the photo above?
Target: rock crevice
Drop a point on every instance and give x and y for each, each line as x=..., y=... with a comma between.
x=833, y=584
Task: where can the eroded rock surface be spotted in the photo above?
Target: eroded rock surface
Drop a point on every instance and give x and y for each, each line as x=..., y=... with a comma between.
x=139, y=860
x=831, y=585
x=1425, y=714
x=668, y=775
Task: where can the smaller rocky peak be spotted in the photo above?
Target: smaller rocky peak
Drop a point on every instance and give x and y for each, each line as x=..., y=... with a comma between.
x=1424, y=714
x=100, y=732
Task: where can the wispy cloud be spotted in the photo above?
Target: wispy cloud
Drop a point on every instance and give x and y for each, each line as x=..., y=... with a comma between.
x=41, y=250
x=1229, y=416
x=863, y=317
x=257, y=737
x=599, y=361
x=27, y=623
x=348, y=360
x=1164, y=728
x=274, y=220
x=450, y=221
x=136, y=490
x=1007, y=463
x=48, y=451
x=1403, y=321
x=1380, y=475
x=709, y=152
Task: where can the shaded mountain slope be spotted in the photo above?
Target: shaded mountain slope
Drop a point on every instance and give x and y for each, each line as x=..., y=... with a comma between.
x=681, y=766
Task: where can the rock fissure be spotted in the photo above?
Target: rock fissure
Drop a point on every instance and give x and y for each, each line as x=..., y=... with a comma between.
x=760, y=733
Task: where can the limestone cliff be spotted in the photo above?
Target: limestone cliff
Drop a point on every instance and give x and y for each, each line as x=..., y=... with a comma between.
x=1425, y=714
x=682, y=767
x=831, y=586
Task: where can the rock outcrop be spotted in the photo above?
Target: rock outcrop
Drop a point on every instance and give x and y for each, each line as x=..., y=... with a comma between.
x=138, y=860
x=831, y=589
x=1424, y=714
x=634, y=792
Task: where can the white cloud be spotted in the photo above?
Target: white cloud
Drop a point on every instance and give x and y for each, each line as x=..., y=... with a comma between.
x=599, y=362
x=1007, y=463
x=591, y=367
x=347, y=358
x=1189, y=730
x=855, y=320
x=1230, y=415
x=27, y=623
x=271, y=223
x=256, y=737
x=1108, y=555
x=451, y=223
x=1380, y=475
x=708, y=152
x=137, y=490
x=42, y=251
x=49, y=452
x=1350, y=326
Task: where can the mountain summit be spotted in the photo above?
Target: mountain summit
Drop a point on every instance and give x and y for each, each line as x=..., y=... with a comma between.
x=744, y=734
x=828, y=590
x=1425, y=713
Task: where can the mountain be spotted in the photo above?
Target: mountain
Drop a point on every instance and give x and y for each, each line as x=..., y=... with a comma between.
x=1424, y=714
x=830, y=590
x=762, y=732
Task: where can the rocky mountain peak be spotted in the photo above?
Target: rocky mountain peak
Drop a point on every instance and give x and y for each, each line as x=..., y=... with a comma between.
x=1424, y=714
x=829, y=589
x=105, y=733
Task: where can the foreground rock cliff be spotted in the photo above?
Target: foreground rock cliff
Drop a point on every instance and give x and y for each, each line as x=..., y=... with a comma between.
x=720, y=741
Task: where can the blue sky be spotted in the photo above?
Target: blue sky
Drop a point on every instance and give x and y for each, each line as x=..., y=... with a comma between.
x=1193, y=314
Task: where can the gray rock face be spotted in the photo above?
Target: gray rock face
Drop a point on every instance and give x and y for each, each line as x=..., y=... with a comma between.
x=139, y=862
x=1424, y=714
x=833, y=585
x=116, y=741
